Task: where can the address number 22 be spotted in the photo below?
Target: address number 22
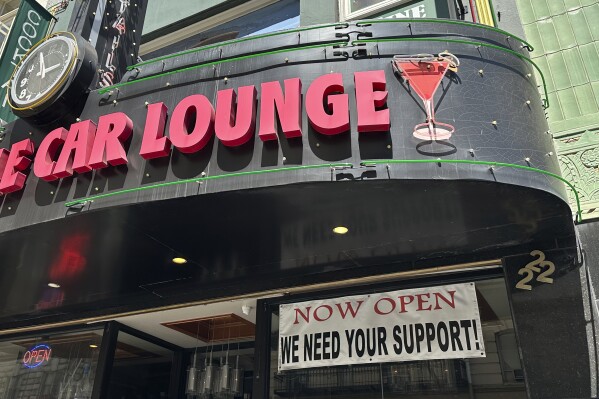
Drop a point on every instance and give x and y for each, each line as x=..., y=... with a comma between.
x=543, y=267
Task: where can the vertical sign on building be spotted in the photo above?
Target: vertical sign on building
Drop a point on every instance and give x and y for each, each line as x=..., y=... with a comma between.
x=118, y=38
x=29, y=27
x=547, y=304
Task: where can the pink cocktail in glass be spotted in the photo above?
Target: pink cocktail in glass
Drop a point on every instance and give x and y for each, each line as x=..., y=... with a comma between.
x=424, y=74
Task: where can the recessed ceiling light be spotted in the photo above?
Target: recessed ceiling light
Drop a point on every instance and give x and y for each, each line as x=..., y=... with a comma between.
x=53, y=285
x=179, y=261
x=93, y=346
x=340, y=230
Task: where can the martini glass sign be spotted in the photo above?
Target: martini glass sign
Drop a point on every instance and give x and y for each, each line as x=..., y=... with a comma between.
x=424, y=73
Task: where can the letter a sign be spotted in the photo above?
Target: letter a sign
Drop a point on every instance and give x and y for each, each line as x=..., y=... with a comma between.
x=418, y=324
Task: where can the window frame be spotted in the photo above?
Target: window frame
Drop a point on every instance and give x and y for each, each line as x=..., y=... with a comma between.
x=265, y=307
x=202, y=25
x=345, y=13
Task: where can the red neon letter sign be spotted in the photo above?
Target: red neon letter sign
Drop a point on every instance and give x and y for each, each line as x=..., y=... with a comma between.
x=154, y=144
x=113, y=130
x=12, y=178
x=195, y=110
x=79, y=140
x=235, y=128
x=371, y=94
x=323, y=88
x=43, y=165
x=289, y=108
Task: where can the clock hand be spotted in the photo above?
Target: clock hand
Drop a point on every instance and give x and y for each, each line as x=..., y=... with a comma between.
x=42, y=66
x=51, y=68
x=41, y=71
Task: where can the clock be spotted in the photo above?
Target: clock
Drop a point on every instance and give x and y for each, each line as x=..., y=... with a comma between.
x=51, y=81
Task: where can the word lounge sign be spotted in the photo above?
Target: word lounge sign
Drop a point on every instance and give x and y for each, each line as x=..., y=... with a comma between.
x=88, y=145
x=418, y=324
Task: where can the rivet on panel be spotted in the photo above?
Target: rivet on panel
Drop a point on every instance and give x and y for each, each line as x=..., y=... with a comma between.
x=494, y=123
x=284, y=159
x=203, y=174
x=286, y=59
x=96, y=188
x=471, y=151
x=527, y=160
x=527, y=102
x=147, y=175
x=317, y=144
x=388, y=146
x=77, y=119
x=146, y=104
x=168, y=83
x=9, y=208
x=528, y=75
x=51, y=192
x=481, y=72
x=114, y=101
x=439, y=162
x=550, y=153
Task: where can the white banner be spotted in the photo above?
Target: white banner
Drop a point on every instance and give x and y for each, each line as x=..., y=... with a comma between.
x=417, y=324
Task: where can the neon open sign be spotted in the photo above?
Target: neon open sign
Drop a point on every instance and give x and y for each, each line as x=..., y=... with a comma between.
x=36, y=356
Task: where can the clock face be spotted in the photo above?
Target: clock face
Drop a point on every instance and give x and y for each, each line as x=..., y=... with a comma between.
x=42, y=72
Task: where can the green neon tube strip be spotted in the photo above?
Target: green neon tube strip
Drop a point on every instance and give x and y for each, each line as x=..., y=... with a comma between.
x=333, y=165
x=486, y=163
x=493, y=13
x=459, y=41
x=205, y=178
x=359, y=24
x=233, y=41
x=243, y=57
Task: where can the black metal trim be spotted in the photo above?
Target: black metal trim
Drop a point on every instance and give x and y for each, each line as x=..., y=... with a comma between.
x=105, y=361
x=51, y=331
x=395, y=284
x=176, y=384
x=262, y=349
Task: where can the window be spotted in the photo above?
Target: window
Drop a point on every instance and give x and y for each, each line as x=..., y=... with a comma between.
x=443, y=378
x=56, y=366
x=141, y=369
x=367, y=9
x=283, y=14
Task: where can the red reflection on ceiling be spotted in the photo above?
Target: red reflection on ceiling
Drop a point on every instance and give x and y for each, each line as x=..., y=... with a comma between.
x=71, y=260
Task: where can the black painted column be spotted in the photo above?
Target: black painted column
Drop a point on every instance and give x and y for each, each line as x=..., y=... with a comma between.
x=547, y=307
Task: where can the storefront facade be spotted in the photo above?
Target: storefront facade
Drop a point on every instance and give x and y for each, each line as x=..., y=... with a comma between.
x=157, y=236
